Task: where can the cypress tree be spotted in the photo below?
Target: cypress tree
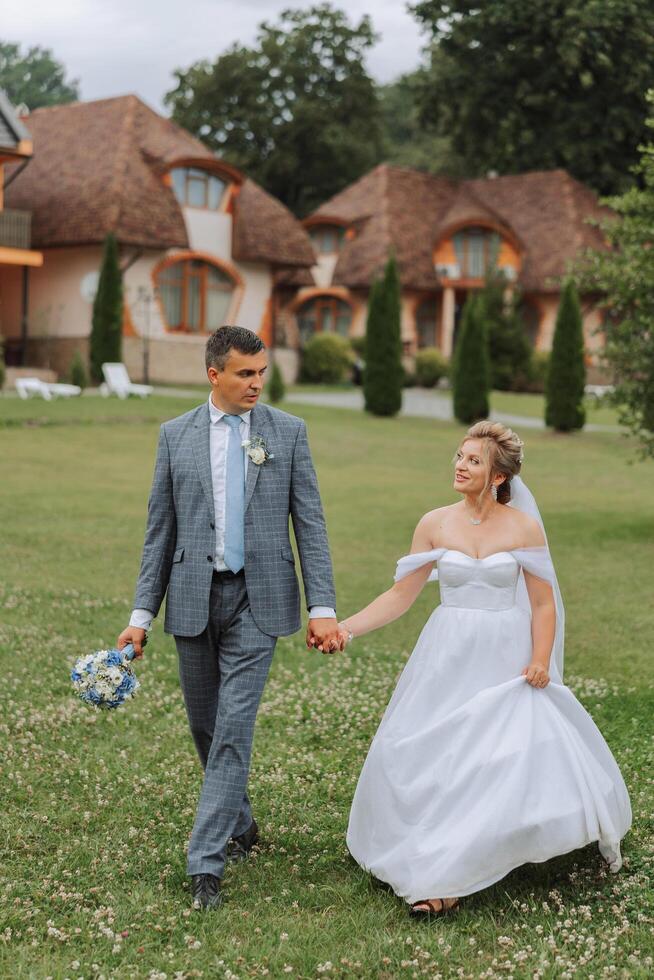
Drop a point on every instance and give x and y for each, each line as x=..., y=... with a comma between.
x=508, y=347
x=384, y=375
x=276, y=389
x=106, y=331
x=564, y=393
x=471, y=374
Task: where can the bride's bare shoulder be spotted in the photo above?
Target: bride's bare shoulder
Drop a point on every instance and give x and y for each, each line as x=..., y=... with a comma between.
x=431, y=524
x=527, y=528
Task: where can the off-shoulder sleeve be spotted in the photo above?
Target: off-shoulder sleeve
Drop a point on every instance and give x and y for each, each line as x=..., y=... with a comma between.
x=411, y=563
x=537, y=561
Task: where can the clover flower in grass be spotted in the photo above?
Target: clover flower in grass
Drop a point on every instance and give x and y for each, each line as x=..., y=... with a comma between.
x=105, y=679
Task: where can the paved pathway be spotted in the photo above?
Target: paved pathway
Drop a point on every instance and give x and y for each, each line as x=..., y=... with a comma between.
x=417, y=403
x=421, y=403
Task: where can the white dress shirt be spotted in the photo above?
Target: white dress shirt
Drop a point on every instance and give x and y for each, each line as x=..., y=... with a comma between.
x=219, y=433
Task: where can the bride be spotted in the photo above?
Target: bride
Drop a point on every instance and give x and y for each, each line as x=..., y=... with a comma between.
x=483, y=760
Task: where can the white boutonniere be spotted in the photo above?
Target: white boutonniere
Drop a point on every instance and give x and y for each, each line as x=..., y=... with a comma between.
x=257, y=450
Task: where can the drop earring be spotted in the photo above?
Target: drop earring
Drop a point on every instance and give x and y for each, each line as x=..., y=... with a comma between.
x=494, y=492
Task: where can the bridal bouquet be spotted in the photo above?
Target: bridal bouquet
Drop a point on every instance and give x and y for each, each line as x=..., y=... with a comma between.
x=105, y=679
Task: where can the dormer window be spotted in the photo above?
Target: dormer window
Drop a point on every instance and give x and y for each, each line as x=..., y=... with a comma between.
x=197, y=188
x=476, y=251
x=326, y=239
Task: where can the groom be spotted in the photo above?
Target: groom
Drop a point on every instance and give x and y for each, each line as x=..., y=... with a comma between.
x=217, y=542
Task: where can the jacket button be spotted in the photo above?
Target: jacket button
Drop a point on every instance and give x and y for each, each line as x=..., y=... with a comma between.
x=209, y=557
x=212, y=526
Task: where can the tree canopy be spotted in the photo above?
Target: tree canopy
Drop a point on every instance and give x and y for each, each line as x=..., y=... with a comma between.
x=407, y=142
x=623, y=277
x=533, y=86
x=34, y=79
x=297, y=112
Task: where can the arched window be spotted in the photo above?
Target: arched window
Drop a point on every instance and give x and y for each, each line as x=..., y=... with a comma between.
x=476, y=251
x=197, y=188
x=326, y=239
x=195, y=295
x=323, y=314
x=426, y=316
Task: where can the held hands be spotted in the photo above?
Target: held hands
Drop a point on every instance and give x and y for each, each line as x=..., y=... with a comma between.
x=326, y=635
x=536, y=675
x=136, y=637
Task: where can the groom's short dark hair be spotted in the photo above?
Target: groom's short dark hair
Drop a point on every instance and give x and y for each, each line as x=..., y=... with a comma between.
x=225, y=339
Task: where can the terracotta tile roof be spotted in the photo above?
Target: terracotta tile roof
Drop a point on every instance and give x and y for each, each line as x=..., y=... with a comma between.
x=266, y=231
x=97, y=168
x=550, y=212
x=395, y=209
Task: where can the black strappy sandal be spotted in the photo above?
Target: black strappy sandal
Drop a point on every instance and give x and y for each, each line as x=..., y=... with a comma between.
x=432, y=911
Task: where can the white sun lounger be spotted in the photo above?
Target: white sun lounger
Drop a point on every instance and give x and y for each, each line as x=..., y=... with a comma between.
x=31, y=387
x=116, y=382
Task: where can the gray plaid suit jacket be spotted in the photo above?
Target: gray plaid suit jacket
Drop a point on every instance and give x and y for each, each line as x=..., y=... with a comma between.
x=178, y=552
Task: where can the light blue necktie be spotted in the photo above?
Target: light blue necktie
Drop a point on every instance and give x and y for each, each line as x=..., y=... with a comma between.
x=234, y=497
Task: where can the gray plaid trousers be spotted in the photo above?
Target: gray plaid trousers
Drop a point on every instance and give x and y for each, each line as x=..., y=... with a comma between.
x=222, y=673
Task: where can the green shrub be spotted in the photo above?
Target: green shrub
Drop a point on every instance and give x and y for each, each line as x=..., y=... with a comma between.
x=107, y=327
x=471, y=374
x=384, y=374
x=358, y=345
x=326, y=358
x=276, y=389
x=535, y=380
x=3, y=373
x=564, y=392
x=409, y=379
x=509, y=349
x=430, y=367
x=77, y=371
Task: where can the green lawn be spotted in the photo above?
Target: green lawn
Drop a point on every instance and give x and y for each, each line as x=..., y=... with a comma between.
x=97, y=808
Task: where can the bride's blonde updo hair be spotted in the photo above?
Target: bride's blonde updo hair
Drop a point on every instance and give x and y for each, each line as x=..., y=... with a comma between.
x=502, y=452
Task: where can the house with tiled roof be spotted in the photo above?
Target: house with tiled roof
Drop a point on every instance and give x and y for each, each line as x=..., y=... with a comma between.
x=17, y=256
x=200, y=244
x=446, y=234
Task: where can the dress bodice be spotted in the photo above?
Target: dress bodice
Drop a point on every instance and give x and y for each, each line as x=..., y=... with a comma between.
x=478, y=583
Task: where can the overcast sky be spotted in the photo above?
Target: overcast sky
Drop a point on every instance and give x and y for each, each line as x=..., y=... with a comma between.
x=119, y=46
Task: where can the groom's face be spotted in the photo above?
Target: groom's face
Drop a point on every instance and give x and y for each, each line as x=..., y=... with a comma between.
x=237, y=387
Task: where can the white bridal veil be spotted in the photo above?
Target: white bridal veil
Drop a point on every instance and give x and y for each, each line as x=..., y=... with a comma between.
x=536, y=561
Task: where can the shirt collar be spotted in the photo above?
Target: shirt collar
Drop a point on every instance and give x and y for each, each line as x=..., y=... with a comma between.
x=216, y=414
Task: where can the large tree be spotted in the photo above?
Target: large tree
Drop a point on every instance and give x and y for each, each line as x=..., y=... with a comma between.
x=298, y=111
x=530, y=86
x=35, y=78
x=624, y=277
x=407, y=142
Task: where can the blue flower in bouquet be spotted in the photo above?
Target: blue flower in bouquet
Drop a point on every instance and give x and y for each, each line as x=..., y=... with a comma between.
x=105, y=678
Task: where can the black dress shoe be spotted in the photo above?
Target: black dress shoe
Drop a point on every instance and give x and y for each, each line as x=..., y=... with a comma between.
x=205, y=890
x=239, y=847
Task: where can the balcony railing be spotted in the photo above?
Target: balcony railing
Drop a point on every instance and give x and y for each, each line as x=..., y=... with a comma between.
x=15, y=229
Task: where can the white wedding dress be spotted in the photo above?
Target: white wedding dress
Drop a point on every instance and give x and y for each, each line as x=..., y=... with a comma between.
x=473, y=772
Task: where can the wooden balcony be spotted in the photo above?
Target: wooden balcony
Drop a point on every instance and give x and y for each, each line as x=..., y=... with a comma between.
x=15, y=229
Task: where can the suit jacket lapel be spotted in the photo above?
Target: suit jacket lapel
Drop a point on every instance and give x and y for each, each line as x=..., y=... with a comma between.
x=202, y=454
x=258, y=423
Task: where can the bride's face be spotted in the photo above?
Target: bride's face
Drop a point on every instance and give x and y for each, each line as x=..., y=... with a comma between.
x=470, y=468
